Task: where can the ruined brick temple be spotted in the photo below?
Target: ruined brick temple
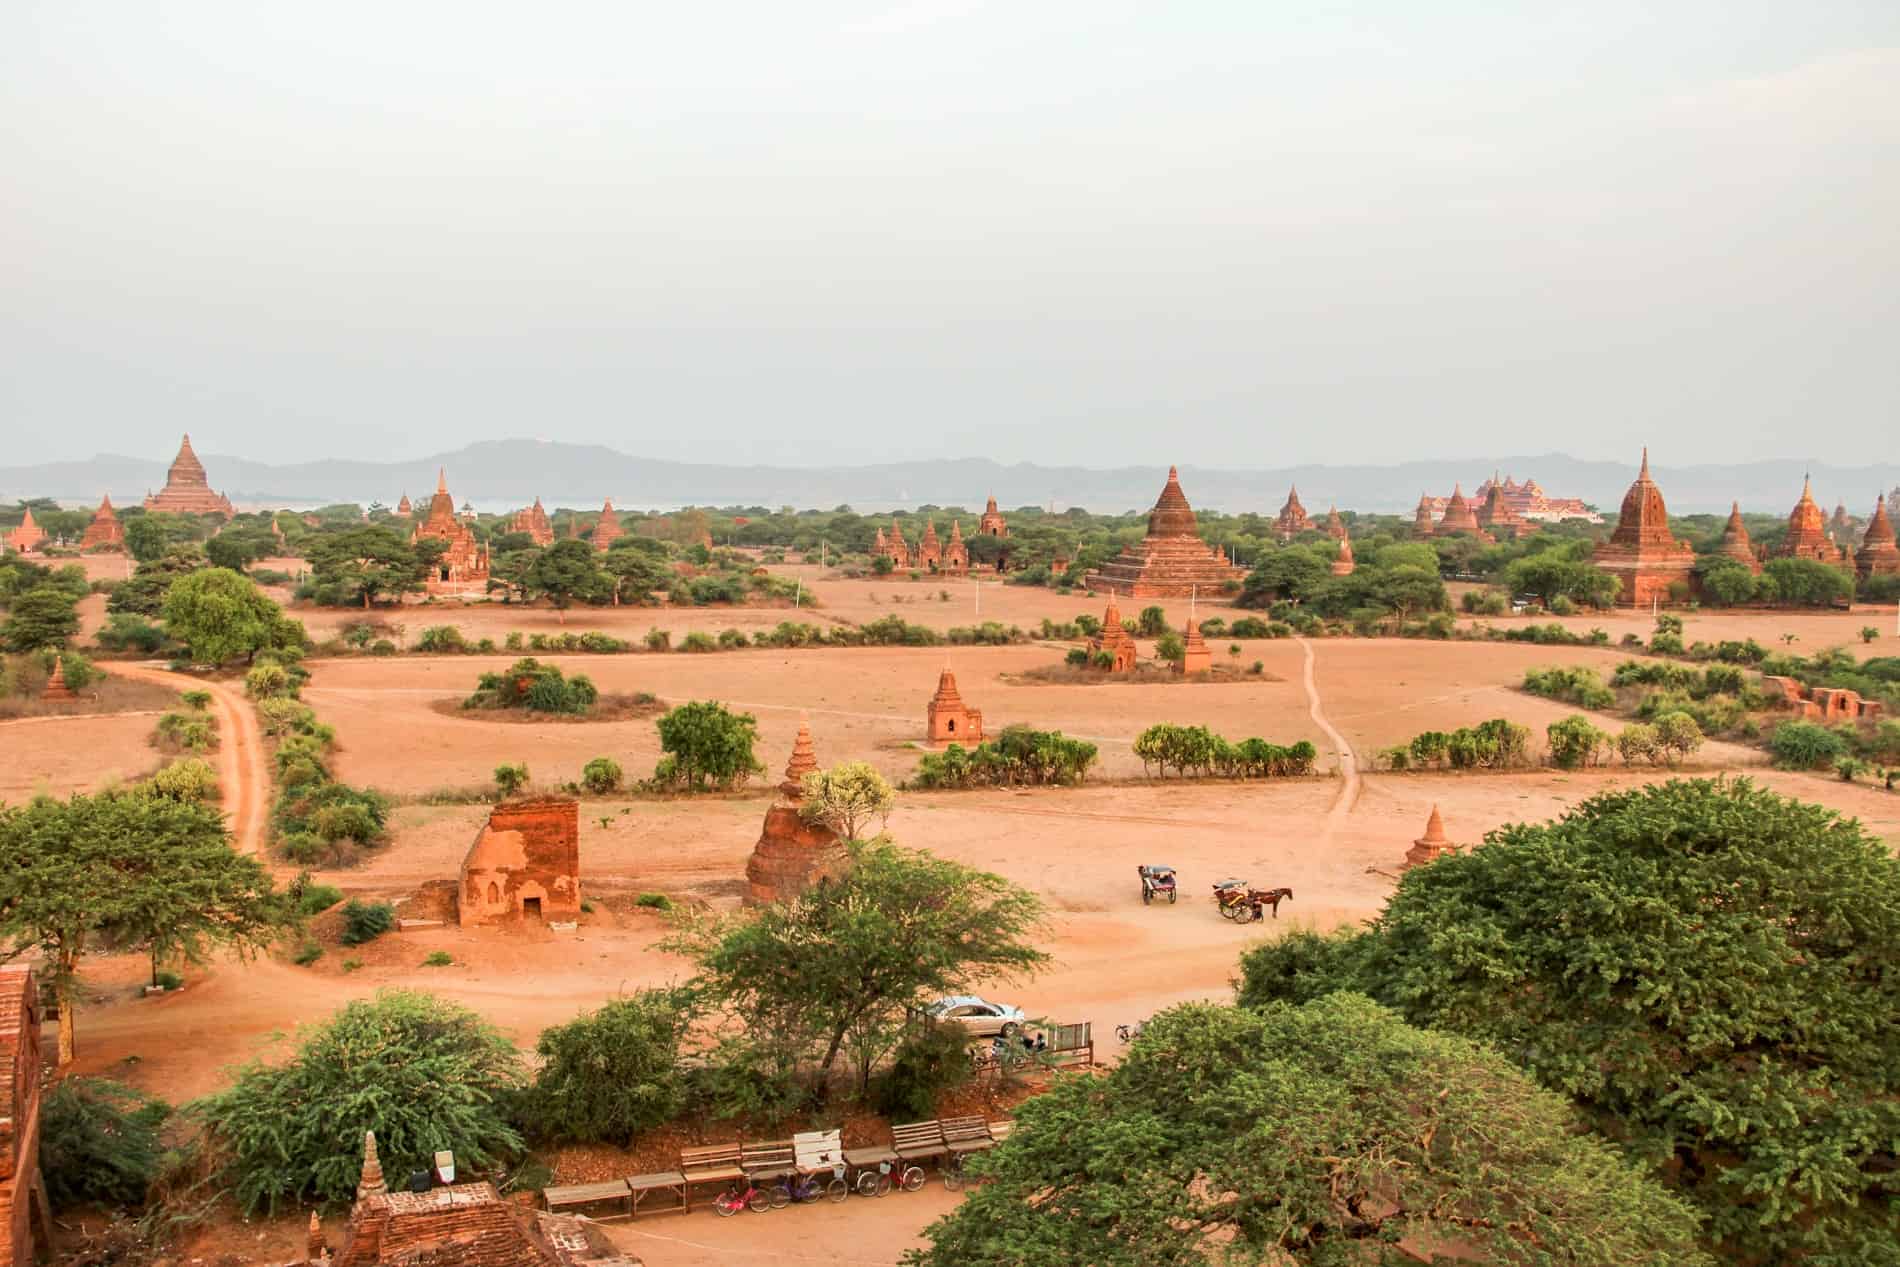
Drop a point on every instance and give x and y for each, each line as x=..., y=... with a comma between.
x=28, y=537
x=607, y=528
x=1807, y=533
x=105, y=532
x=947, y=719
x=23, y=1201
x=1641, y=553
x=1171, y=561
x=525, y=864
x=533, y=521
x=992, y=524
x=463, y=567
x=1292, y=519
x=792, y=854
x=1878, y=555
x=1114, y=640
x=187, y=491
x=1735, y=543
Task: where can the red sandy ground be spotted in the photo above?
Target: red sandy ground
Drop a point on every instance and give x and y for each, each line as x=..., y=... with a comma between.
x=1116, y=960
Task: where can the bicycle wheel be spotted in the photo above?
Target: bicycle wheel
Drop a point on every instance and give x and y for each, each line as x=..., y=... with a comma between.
x=759, y=1201
x=913, y=1178
x=781, y=1196
x=953, y=1174
x=837, y=1189
x=727, y=1205
x=872, y=1184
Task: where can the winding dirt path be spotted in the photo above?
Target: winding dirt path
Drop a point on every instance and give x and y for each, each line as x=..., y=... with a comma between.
x=1348, y=763
x=243, y=777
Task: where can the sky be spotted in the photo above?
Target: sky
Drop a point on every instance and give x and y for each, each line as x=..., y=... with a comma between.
x=1098, y=232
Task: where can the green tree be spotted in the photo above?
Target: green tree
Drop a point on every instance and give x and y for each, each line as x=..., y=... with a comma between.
x=237, y=550
x=149, y=536
x=638, y=567
x=706, y=747
x=848, y=958
x=220, y=615
x=1574, y=742
x=360, y=565
x=143, y=593
x=846, y=797
x=99, y=1143
x=1806, y=582
x=1728, y=583
x=564, y=572
x=422, y=1073
x=1293, y=572
x=1169, y=647
x=1320, y=1135
x=43, y=617
x=615, y=1072
x=1711, y=971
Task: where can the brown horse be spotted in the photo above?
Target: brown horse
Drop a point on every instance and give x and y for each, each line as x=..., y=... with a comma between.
x=1268, y=897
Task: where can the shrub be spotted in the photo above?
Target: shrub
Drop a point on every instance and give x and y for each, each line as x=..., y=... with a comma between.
x=126, y=631
x=445, y=639
x=307, y=953
x=659, y=640
x=196, y=701
x=99, y=1143
x=613, y=1073
x=438, y=959
x=733, y=639
x=1802, y=745
x=698, y=643
x=510, y=779
x=1639, y=740
x=313, y=898
x=932, y=1060
x=266, y=681
x=1574, y=743
x=537, y=687
x=187, y=732
x=366, y=921
x=601, y=775
x=422, y=1073
x=382, y=646
x=656, y=901
x=1575, y=684
x=189, y=779
x=1019, y=755
x=1678, y=734
x=706, y=746
x=1169, y=647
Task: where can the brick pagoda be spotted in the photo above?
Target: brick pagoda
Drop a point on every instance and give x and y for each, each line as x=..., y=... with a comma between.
x=1497, y=516
x=1878, y=555
x=1292, y=519
x=187, y=491
x=534, y=522
x=929, y=549
x=1459, y=517
x=525, y=864
x=463, y=567
x=792, y=854
x=1735, y=543
x=105, y=532
x=403, y=508
x=1335, y=526
x=1840, y=525
x=1807, y=532
x=992, y=524
x=1114, y=640
x=607, y=528
x=1195, y=657
x=1641, y=553
x=947, y=719
x=1171, y=561
x=1423, y=524
x=1430, y=847
x=1343, y=562
x=893, y=546
x=28, y=537
x=956, y=555
x=56, y=690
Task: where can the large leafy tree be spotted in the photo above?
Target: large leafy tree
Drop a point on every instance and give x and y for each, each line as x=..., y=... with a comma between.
x=1327, y=1134
x=42, y=617
x=849, y=958
x=143, y=593
x=129, y=868
x=220, y=615
x=422, y=1073
x=615, y=1072
x=1710, y=970
x=707, y=746
x=360, y=565
x=639, y=567
x=564, y=573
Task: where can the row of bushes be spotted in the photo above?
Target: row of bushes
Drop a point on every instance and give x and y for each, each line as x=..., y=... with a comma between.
x=1019, y=756
x=314, y=816
x=1493, y=745
x=1196, y=750
x=1575, y=742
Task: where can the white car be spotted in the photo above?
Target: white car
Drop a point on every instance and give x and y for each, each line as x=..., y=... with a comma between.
x=980, y=1016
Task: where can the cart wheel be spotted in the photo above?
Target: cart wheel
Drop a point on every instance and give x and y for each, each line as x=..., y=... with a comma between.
x=1171, y=897
x=1146, y=895
x=913, y=1178
x=759, y=1202
x=781, y=1196
x=1243, y=914
x=837, y=1189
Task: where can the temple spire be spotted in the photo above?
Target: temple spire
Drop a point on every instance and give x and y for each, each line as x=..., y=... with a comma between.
x=371, y=1183
x=1644, y=473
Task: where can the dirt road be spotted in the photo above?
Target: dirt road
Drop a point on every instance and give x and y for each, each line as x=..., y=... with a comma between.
x=1348, y=763
x=243, y=776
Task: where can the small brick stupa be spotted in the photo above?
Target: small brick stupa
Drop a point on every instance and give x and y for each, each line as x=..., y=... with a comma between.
x=1335, y=526
x=1292, y=519
x=1735, y=543
x=792, y=854
x=1807, y=532
x=187, y=491
x=1422, y=523
x=105, y=532
x=28, y=536
x=929, y=549
x=1459, y=517
x=534, y=522
x=947, y=718
x=403, y=509
x=525, y=864
x=1641, y=553
x=57, y=692
x=992, y=524
x=1840, y=526
x=607, y=528
x=1430, y=847
x=1195, y=657
x=1343, y=562
x=893, y=546
x=1114, y=640
x=1171, y=561
x=956, y=555
x=1878, y=555
x=463, y=567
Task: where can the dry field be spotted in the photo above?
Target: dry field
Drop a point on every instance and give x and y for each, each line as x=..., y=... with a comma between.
x=1327, y=838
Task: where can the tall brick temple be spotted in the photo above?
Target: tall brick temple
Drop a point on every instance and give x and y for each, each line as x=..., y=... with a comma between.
x=1171, y=561
x=187, y=491
x=1641, y=553
x=463, y=567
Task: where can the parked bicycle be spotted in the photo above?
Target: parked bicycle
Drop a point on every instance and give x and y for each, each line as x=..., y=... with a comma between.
x=818, y=1183
x=1128, y=1033
x=888, y=1175
x=753, y=1198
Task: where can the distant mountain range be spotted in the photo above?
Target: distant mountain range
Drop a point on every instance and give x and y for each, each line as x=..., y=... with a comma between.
x=504, y=474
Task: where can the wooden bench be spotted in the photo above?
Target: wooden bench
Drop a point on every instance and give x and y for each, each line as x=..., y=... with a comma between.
x=579, y=1194
x=965, y=1135
x=918, y=1141
x=814, y=1151
x=669, y=1181
x=717, y=1164
x=768, y=1159
x=1000, y=1129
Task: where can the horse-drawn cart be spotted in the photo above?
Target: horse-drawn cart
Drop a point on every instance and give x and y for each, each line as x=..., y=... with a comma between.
x=1156, y=881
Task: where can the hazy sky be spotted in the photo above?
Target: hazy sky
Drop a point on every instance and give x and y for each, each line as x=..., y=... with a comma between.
x=813, y=231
